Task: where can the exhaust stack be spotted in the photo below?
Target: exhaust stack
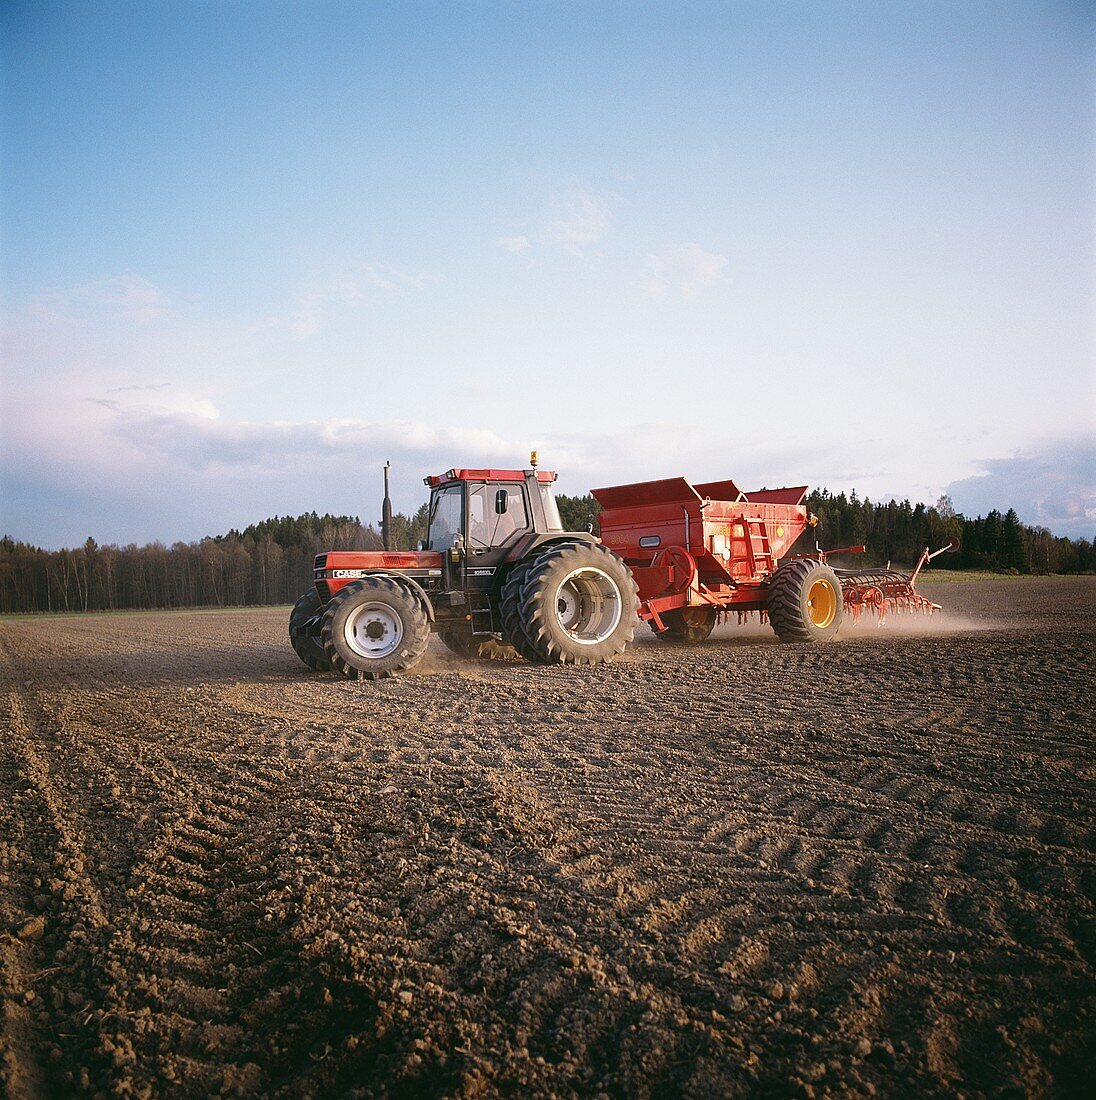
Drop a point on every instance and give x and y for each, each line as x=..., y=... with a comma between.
x=386, y=512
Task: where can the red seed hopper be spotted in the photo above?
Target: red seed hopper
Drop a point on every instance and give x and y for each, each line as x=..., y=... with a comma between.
x=698, y=552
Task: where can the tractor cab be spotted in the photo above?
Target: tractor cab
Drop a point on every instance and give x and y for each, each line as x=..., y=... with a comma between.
x=485, y=518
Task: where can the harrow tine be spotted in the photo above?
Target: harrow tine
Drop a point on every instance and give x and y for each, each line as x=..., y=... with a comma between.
x=882, y=592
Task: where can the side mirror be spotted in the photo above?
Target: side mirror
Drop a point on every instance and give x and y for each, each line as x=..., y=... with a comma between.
x=420, y=545
x=502, y=502
x=589, y=527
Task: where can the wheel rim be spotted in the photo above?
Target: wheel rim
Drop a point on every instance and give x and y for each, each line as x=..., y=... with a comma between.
x=373, y=630
x=588, y=605
x=822, y=603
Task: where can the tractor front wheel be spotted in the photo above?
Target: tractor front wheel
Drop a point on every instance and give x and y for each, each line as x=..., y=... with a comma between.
x=578, y=605
x=304, y=631
x=374, y=628
x=686, y=625
x=805, y=602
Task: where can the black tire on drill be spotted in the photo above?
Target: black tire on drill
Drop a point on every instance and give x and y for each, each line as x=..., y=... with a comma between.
x=304, y=631
x=465, y=644
x=686, y=625
x=374, y=628
x=805, y=603
x=578, y=605
x=510, y=609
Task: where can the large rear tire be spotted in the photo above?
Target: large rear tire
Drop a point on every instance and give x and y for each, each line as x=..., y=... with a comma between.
x=510, y=609
x=374, y=628
x=578, y=605
x=805, y=603
x=304, y=631
x=686, y=625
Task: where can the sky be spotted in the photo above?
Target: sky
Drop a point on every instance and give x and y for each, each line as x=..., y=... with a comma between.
x=251, y=251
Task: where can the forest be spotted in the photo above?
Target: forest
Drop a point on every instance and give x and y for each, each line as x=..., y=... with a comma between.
x=271, y=562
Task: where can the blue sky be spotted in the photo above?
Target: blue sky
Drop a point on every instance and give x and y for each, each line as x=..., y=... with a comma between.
x=248, y=252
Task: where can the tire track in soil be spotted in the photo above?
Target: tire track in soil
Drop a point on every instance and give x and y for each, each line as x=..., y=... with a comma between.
x=78, y=849
x=862, y=843
x=507, y=879
x=862, y=840
x=117, y=1027
x=514, y=985
x=211, y=978
x=45, y=855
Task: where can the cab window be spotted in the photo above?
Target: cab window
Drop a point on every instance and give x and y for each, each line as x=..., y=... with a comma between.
x=551, y=509
x=486, y=527
x=445, y=517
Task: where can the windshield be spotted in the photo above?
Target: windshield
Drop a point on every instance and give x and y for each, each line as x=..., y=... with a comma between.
x=445, y=517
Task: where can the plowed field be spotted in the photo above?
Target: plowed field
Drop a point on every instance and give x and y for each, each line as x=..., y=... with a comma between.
x=741, y=868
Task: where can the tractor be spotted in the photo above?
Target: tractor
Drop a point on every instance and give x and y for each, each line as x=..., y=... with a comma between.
x=496, y=569
x=497, y=572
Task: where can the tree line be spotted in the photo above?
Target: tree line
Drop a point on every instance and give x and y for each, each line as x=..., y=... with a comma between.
x=898, y=532
x=267, y=563
x=271, y=562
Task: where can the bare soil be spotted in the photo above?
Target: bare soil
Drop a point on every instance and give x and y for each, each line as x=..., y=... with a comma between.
x=741, y=868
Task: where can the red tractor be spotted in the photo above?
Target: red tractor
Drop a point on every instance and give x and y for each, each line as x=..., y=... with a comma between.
x=497, y=569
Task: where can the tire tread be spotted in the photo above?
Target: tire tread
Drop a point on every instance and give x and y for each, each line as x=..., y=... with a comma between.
x=785, y=601
x=532, y=607
x=416, y=629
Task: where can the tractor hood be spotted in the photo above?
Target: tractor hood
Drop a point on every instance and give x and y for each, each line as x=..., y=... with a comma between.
x=349, y=564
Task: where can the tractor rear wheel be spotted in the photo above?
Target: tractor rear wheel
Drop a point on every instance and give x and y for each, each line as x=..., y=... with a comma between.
x=686, y=625
x=805, y=603
x=374, y=628
x=304, y=631
x=510, y=607
x=578, y=605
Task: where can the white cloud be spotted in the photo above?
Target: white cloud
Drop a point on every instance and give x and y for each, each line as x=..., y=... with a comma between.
x=387, y=277
x=123, y=297
x=156, y=401
x=140, y=462
x=313, y=307
x=688, y=269
x=579, y=218
x=316, y=306
x=573, y=220
x=1052, y=486
x=134, y=430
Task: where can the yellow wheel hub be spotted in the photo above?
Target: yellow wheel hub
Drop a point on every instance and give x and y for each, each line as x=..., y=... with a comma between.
x=822, y=603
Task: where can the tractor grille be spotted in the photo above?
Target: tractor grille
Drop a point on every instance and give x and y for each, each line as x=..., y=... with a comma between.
x=323, y=589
